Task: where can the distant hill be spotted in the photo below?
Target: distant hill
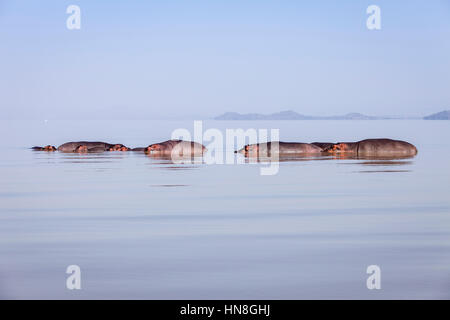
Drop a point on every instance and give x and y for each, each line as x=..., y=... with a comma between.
x=443, y=115
x=284, y=115
x=292, y=115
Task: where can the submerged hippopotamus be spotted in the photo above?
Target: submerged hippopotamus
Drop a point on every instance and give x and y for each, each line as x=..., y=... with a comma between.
x=374, y=147
x=323, y=145
x=282, y=148
x=177, y=147
x=84, y=146
x=88, y=146
x=46, y=148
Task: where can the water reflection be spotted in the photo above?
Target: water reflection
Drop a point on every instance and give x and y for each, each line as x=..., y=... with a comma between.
x=371, y=161
x=170, y=185
x=98, y=157
x=385, y=171
x=193, y=162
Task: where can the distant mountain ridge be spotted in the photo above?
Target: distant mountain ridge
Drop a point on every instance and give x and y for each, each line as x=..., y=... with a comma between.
x=443, y=115
x=292, y=115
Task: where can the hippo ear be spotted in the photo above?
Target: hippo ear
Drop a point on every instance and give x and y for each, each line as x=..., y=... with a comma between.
x=330, y=148
x=79, y=147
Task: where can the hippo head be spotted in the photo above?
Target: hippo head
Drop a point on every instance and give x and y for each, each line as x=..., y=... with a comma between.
x=81, y=149
x=153, y=147
x=338, y=147
x=49, y=148
x=119, y=147
x=249, y=148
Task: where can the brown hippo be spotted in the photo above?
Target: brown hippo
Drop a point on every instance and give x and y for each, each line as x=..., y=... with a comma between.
x=84, y=149
x=88, y=146
x=375, y=147
x=46, y=148
x=119, y=147
x=176, y=147
x=282, y=148
x=323, y=145
x=83, y=146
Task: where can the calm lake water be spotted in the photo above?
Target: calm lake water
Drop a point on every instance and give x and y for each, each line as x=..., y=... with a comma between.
x=143, y=228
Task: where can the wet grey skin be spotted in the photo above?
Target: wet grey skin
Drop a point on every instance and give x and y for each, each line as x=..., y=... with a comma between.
x=139, y=149
x=48, y=148
x=74, y=146
x=178, y=147
x=93, y=150
x=323, y=145
x=90, y=146
x=375, y=147
x=282, y=148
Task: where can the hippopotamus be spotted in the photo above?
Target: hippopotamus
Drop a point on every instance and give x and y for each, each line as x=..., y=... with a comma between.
x=177, y=147
x=119, y=147
x=283, y=148
x=87, y=146
x=323, y=145
x=374, y=147
x=85, y=149
x=46, y=148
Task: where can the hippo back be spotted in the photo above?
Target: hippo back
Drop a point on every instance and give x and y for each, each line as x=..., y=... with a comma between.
x=295, y=148
x=323, y=145
x=386, y=147
x=72, y=146
x=188, y=148
x=275, y=147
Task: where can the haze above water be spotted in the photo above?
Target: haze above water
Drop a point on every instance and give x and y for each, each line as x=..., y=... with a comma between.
x=145, y=228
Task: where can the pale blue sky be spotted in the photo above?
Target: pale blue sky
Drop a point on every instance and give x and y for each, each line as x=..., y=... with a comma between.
x=153, y=59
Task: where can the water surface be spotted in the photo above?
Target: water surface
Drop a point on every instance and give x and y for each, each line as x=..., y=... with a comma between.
x=147, y=228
